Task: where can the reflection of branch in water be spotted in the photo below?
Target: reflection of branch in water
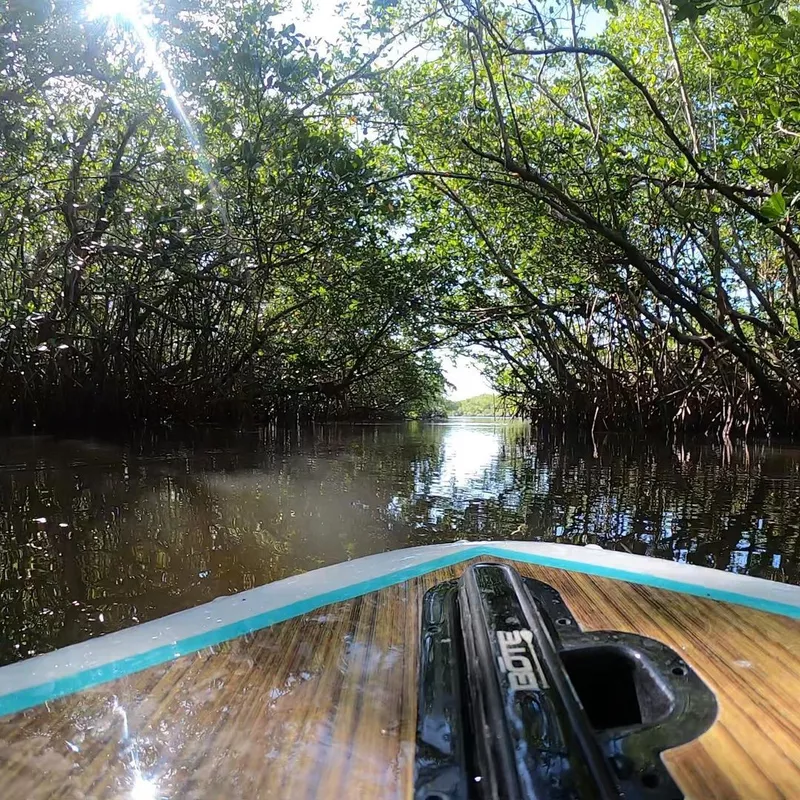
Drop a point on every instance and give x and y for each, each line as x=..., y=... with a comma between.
x=172, y=526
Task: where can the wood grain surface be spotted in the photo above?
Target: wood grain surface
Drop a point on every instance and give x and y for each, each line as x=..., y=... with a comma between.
x=325, y=705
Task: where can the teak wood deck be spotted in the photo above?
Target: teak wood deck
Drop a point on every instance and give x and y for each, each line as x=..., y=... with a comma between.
x=324, y=705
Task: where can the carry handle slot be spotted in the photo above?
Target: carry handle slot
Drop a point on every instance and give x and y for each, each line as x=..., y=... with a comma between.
x=530, y=727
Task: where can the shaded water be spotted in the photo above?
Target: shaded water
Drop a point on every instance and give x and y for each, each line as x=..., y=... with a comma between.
x=95, y=537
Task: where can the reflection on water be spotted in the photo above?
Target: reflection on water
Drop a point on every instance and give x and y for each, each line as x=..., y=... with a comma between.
x=95, y=537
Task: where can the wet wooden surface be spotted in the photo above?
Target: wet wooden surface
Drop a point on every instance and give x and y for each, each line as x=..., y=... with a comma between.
x=324, y=705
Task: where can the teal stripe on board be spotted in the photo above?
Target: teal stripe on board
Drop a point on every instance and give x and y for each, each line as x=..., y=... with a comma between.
x=36, y=695
x=79, y=681
x=655, y=581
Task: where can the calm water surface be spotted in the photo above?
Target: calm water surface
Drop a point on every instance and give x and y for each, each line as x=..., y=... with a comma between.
x=95, y=537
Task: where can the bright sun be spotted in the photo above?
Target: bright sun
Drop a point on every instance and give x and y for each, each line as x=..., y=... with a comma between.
x=143, y=789
x=121, y=9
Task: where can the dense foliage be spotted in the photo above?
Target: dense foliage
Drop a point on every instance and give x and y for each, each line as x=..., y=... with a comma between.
x=246, y=261
x=611, y=217
x=624, y=205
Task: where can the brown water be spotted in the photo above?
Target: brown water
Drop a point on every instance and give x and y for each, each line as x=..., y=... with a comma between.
x=95, y=537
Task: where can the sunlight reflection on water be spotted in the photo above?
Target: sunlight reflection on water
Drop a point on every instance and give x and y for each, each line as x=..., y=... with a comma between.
x=467, y=451
x=96, y=536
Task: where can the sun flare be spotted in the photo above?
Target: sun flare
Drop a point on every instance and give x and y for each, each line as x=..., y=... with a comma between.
x=137, y=19
x=143, y=789
x=120, y=9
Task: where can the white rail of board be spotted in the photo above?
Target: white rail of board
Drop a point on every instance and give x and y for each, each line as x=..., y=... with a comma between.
x=113, y=655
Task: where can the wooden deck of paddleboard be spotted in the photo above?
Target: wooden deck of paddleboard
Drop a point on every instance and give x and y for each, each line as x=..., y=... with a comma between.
x=324, y=705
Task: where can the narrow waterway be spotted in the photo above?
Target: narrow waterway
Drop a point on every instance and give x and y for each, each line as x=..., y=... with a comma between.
x=95, y=537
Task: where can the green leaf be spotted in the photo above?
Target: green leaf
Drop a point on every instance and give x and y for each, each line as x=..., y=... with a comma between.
x=774, y=208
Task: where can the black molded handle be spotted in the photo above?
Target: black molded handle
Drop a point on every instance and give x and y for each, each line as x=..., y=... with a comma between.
x=532, y=737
